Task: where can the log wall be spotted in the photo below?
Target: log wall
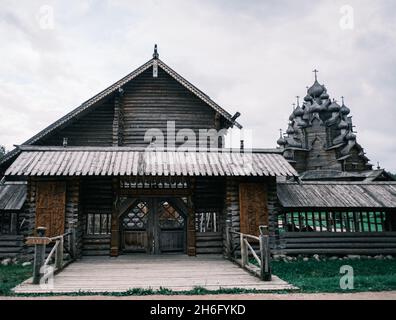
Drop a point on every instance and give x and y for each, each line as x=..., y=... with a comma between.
x=330, y=243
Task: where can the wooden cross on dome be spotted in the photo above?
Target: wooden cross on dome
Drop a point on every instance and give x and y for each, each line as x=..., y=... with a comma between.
x=316, y=74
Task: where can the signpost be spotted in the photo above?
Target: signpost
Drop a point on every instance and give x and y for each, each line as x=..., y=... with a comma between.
x=39, y=243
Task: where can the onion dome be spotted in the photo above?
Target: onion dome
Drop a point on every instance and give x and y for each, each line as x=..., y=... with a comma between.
x=281, y=141
x=324, y=95
x=291, y=118
x=344, y=109
x=343, y=125
x=290, y=129
x=316, y=90
x=315, y=108
x=334, y=107
x=308, y=98
x=298, y=112
x=350, y=136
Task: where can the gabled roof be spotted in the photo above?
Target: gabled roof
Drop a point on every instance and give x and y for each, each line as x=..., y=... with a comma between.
x=113, y=88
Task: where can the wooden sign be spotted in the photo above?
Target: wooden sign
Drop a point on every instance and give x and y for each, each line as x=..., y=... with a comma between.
x=37, y=240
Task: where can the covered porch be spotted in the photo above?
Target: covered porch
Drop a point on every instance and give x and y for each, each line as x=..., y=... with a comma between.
x=141, y=271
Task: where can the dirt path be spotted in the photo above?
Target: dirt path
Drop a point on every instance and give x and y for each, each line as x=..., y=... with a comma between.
x=389, y=295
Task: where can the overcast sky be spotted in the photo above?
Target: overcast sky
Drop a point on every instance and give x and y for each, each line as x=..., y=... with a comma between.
x=249, y=56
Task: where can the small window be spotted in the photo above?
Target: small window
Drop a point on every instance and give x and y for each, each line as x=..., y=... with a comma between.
x=207, y=221
x=98, y=223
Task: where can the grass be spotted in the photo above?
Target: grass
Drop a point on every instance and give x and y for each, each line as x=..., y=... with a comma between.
x=310, y=276
x=12, y=275
x=324, y=276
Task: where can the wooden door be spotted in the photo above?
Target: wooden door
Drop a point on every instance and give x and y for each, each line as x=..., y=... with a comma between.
x=135, y=227
x=171, y=227
x=253, y=207
x=50, y=207
x=153, y=225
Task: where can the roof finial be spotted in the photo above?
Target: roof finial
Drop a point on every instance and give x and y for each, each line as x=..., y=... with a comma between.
x=316, y=74
x=342, y=98
x=294, y=106
x=378, y=165
x=155, y=54
x=298, y=101
x=281, y=133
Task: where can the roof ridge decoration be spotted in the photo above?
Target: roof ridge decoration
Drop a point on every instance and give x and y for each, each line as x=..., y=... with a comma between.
x=115, y=86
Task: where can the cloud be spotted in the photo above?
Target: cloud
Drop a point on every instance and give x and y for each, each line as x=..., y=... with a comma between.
x=249, y=56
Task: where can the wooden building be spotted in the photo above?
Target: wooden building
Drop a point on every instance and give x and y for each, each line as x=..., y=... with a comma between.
x=341, y=205
x=141, y=167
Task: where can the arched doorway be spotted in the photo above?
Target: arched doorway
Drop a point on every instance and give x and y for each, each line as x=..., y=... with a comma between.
x=154, y=226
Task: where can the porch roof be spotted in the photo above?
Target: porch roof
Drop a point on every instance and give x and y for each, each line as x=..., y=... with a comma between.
x=12, y=196
x=125, y=161
x=338, y=195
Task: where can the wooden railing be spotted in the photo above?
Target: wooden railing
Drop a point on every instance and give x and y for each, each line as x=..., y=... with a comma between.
x=245, y=243
x=41, y=265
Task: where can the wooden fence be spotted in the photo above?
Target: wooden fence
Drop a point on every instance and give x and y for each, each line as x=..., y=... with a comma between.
x=246, y=245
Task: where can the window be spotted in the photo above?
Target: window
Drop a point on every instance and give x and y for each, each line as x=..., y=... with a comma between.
x=98, y=223
x=207, y=221
x=137, y=217
x=8, y=222
x=169, y=217
x=357, y=221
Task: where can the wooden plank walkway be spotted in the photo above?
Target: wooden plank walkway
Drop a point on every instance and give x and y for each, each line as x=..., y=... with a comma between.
x=175, y=272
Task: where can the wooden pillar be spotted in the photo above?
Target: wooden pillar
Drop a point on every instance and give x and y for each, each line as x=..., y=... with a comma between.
x=191, y=240
x=115, y=230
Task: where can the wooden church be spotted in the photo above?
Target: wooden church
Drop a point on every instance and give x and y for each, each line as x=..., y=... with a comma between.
x=340, y=204
x=142, y=167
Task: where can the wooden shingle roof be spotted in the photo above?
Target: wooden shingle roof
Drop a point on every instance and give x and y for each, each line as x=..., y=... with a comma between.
x=333, y=195
x=12, y=196
x=126, y=161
